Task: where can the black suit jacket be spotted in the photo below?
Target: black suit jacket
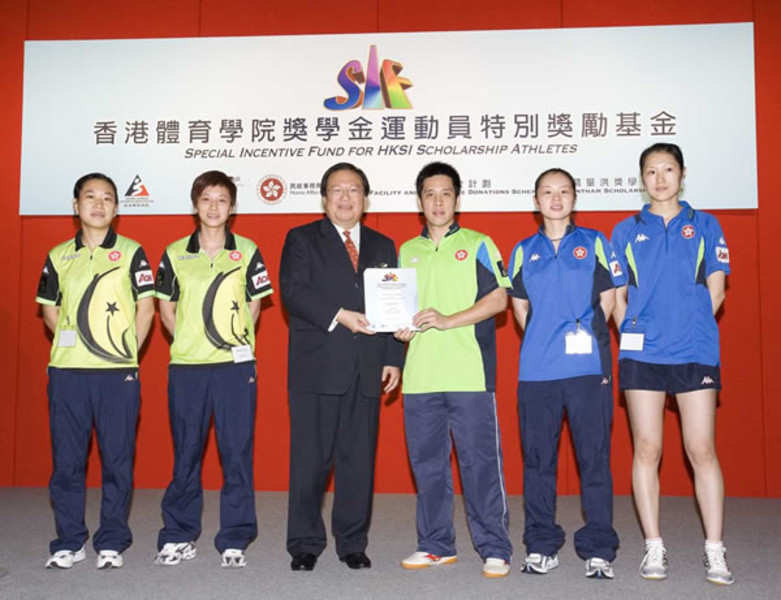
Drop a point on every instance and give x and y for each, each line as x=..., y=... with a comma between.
x=317, y=278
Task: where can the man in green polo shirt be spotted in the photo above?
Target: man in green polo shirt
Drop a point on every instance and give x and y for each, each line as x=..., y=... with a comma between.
x=449, y=379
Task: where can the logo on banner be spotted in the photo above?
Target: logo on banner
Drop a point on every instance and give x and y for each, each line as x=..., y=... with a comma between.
x=687, y=232
x=390, y=277
x=272, y=189
x=137, y=189
x=137, y=195
x=383, y=87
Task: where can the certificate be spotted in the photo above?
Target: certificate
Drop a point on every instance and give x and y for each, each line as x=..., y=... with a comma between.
x=391, y=297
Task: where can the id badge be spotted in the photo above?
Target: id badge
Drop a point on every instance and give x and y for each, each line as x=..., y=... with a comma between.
x=577, y=342
x=632, y=341
x=242, y=353
x=67, y=338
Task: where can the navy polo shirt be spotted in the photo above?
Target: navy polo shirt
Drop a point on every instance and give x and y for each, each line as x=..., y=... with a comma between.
x=668, y=299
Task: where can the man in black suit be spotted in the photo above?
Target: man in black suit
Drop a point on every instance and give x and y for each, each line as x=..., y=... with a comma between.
x=336, y=369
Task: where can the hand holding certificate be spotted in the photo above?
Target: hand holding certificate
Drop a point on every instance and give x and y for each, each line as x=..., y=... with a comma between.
x=391, y=298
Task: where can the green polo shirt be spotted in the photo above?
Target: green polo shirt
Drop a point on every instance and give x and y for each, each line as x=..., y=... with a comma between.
x=211, y=295
x=96, y=292
x=452, y=276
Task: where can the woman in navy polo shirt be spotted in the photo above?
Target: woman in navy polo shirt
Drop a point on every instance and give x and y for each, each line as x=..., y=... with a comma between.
x=676, y=260
x=564, y=280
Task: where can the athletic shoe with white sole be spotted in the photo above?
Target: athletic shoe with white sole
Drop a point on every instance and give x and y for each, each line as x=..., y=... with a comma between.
x=717, y=571
x=423, y=560
x=109, y=559
x=233, y=558
x=495, y=567
x=65, y=559
x=539, y=564
x=599, y=568
x=654, y=565
x=173, y=553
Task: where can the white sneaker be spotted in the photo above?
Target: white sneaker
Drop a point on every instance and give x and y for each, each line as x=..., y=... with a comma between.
x=423, y=560
x=233, y=558
x=109, y=559
x=654, y=565
x=539, y=564
x=717, y=571
x=65, y=559
x=599, y=568
x=495, y=567
x=173, y=553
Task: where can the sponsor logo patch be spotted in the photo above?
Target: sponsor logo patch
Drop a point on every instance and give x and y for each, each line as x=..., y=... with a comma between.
x=144, y=277
x=615, y=268
x=259, y=280
x=722, y=254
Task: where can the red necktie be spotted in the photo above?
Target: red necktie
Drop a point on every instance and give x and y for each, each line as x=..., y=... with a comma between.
x=351, y=250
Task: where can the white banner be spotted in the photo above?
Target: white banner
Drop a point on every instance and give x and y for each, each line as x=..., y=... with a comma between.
x=501, y=106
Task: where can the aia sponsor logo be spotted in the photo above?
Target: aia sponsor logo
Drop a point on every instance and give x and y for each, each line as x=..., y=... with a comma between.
x=144, y=278
x=272, y=189
x=580, y=252
x=687, y=232
x=461, y=254
x=235, y=255
x=259, y=280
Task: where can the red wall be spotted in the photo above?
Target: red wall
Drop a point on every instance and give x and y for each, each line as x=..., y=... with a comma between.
x=749, y=449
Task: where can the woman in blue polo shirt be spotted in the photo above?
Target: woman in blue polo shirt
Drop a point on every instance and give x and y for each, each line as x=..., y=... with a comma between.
x=676, y=260
x=564, y=280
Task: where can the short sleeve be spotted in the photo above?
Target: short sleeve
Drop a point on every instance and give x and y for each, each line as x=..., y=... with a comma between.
x=491, y=273
x=166, y=285
x=141, y=278
x=607, y=259
x=618, y=246
x=49, y=285
x=716, y=249
x=258, y=282
x=516, y=273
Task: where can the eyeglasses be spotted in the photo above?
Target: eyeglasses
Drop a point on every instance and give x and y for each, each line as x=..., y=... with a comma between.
x=351, y=191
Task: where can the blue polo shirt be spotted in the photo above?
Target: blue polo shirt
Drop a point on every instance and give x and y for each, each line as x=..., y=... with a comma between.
x=563, y=289
x=668, y=299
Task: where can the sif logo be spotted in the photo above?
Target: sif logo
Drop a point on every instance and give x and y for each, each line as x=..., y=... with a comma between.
x=383, y=89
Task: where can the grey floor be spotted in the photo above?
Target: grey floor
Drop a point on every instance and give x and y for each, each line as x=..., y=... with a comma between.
x=753, y=540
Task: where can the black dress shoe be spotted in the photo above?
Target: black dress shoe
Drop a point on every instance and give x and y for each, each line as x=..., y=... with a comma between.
x=304, y=561
x=356, y=560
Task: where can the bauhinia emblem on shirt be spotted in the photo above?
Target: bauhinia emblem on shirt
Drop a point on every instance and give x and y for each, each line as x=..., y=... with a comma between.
x=235, y=255
x=687, y=231
x=580, y=252
x=461, y=254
